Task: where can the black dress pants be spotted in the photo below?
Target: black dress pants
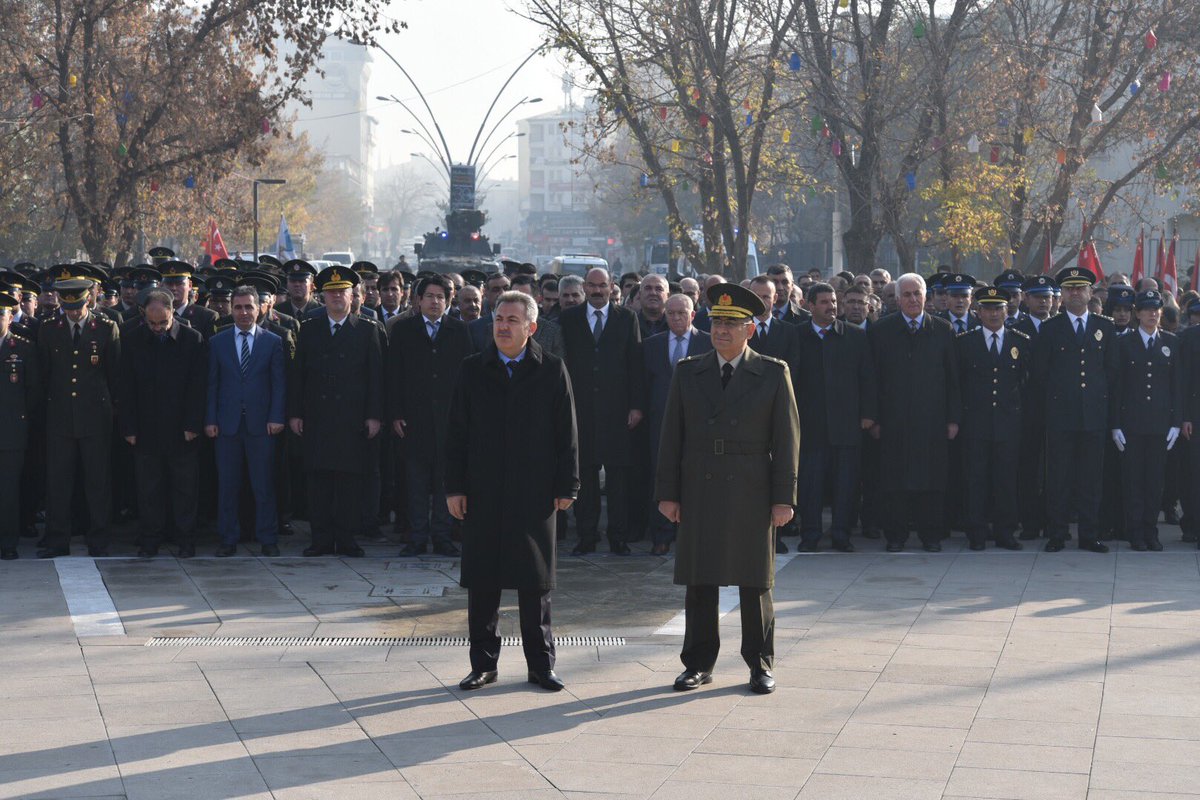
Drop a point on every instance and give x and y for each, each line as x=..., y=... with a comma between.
x=1031, y=478
x=702, y=638
x=335, y=513
x=924, y=509
x=1074, y=474
x=483, y=617
x=1143, y=471
x=168, y=480
x=587, y=507
x=991, y=487
x=12, y=464
x=827, y=467
x=91, y=454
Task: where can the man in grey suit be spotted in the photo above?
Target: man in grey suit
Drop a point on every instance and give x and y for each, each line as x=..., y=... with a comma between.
x=660, y=354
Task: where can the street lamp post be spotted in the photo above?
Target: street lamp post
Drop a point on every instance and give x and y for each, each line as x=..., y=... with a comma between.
x=254, y=192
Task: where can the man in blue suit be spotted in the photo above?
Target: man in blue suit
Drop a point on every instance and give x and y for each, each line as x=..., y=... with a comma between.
x=246, y=394
x=660, y=354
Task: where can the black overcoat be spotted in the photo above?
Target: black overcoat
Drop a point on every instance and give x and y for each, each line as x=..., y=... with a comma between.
x=163, y=388
x=512, y=449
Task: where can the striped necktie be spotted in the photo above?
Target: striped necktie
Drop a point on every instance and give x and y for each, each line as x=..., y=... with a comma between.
x=244, y=352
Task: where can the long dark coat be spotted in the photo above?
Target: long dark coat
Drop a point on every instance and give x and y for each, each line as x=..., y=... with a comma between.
x=608, y=381
x=335, y=386
x=163, y=388
x=512, y=450
x=918, y=397
x=834, y=380
x=726, y=456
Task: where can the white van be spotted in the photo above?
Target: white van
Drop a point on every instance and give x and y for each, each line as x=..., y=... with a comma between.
x=577, y=264
x=684, y=267
x=345, y=257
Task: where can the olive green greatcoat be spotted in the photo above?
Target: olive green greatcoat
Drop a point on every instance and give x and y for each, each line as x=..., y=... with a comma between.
x=726, y=456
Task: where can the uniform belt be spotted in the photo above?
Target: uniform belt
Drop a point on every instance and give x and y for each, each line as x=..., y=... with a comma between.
x=728, y=447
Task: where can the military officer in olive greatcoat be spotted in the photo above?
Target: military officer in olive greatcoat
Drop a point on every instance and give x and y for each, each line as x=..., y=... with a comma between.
x=78, y=356
x=727, y=475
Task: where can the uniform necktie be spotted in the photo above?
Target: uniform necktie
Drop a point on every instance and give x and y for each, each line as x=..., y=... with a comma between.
x=598, y=327
x=337, y=326
x=726, y=374
x=959, y=326
x=75, y=333
x=995, y=347
x=1079, y=327
x=677, y=351
x=1150, y=343
x=244, y=355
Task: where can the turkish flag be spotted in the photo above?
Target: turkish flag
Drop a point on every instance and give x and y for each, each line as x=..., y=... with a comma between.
x=1047, y=261
x=1139, y=260
x=215, y=245
x=1160, y=263
x=1170, y=274
x=1089, y=258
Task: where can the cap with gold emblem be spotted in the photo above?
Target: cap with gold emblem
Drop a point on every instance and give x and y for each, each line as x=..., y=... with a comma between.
x=959, y=283
x=8, y=301
x=175, y=271
x=1148, y=299
x=1075, y=276
x=1010, y=279
x=299, y=269
x=73, y=292
x=731, y=301
x=365, y=268
x=337, y=277
x=64, y=272
x=992, y=295
x=161, y=255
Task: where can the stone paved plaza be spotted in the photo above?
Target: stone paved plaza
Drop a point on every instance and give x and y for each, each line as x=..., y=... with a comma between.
x=957, y=675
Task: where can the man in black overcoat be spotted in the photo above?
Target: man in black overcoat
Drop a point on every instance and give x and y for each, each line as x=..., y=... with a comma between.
x=161, y=402
x=601, y=341
x=918, y=415
x=511, y=465
x=335, y=404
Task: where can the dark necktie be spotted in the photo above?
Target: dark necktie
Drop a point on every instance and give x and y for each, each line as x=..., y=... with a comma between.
x=337, y=326
x=598, y=327
x=244, y=357
x=995, y=348
x=1079, y=328
x=821, y=332
x=762, y=330
x=913, y=327
x=726, y=374
x=1150, y=343
x=510, y=366
x=75, y=333
x=677, y=351
x=959, y=327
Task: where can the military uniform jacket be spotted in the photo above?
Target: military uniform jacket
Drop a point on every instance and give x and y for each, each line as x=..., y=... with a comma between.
x=918, y=397
x=992, y=387
x=80, y=380
x=335, y=386
x=20, y=392
x=608, y=381
x=1072, y=377
x=834, y=380
x=1149, y=393
x=202, y=319
x=726, y=456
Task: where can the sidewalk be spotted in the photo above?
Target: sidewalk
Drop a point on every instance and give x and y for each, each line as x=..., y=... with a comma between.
x=985, y=675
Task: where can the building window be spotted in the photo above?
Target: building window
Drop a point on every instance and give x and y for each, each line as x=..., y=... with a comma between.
x=536, y=133
x=537, y=179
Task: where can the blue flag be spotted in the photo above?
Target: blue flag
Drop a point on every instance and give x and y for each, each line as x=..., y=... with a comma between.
x=283, y=244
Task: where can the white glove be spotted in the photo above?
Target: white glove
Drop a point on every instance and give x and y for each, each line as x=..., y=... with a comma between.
x=1119, y=439
x=1172, y=436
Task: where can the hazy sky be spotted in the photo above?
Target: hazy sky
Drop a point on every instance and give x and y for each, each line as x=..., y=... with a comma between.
x=460, y=52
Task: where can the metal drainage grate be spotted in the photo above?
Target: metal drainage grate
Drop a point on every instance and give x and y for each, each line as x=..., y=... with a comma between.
x=366, y=641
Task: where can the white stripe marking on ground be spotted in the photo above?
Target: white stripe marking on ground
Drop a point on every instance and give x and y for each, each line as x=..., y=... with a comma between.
x=88, y=600
x=727, y=601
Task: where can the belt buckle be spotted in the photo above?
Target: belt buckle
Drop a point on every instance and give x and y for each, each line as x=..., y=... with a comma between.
x=718, y=447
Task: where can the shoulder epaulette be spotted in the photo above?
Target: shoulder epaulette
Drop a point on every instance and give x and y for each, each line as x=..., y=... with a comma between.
x=1022, y=334
x=964, y=333
x=692, y=358
x=773, y=360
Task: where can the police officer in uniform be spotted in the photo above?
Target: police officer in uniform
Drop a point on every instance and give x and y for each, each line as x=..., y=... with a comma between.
x=993, y=368
x=727, y=476
x=1146, y=421
x=78, y=357
x=1013, y=282
x=20, y=390
x=1075, y=365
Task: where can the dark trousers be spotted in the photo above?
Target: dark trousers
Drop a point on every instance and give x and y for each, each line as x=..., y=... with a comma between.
x=1173, y=480
x=258, y=453
x=1143, y=470
x=12, y=465
x=1189, y=495
x=869, y=506
x=33, y=477
x=821, y=467
x=1074, y=472
x=924, y=509
x=91, y=454
x=335, y=515
x=372, y=484
x=483, y=617
x=168, y=480
x=587, y=507
x=1031, y=478
x=1112, y=494
x=991, y=487
x=428, y=515
x=702, y=638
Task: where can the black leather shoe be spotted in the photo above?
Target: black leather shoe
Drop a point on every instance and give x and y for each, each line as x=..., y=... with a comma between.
x=619, y=548
x=977, y=546
x=315, y=550
x=1009, y=544
x=762, y=681
x=477, y=680
x=780, y=546
x=98, y=552
x=1053, y=546
x=8, y=554
x=1137, y=547
x=1154, y=545
x=547, y=680
x=1029, y=536
x=270, y=551
x=932, y=547
x=53, y=552
x=186, y=551
x=584, y=547
x=286, y=529
x=895, y=547
x=660, y=550
x=147, y=552
x=692, y=679
x=809, y=547
x=1095, y=547
x=226, y=550
x=410, y=550
x=844, y=547
x=447, y=549
x=350, y=551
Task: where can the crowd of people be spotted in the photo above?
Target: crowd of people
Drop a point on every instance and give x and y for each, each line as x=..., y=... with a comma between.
x=252, y=394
